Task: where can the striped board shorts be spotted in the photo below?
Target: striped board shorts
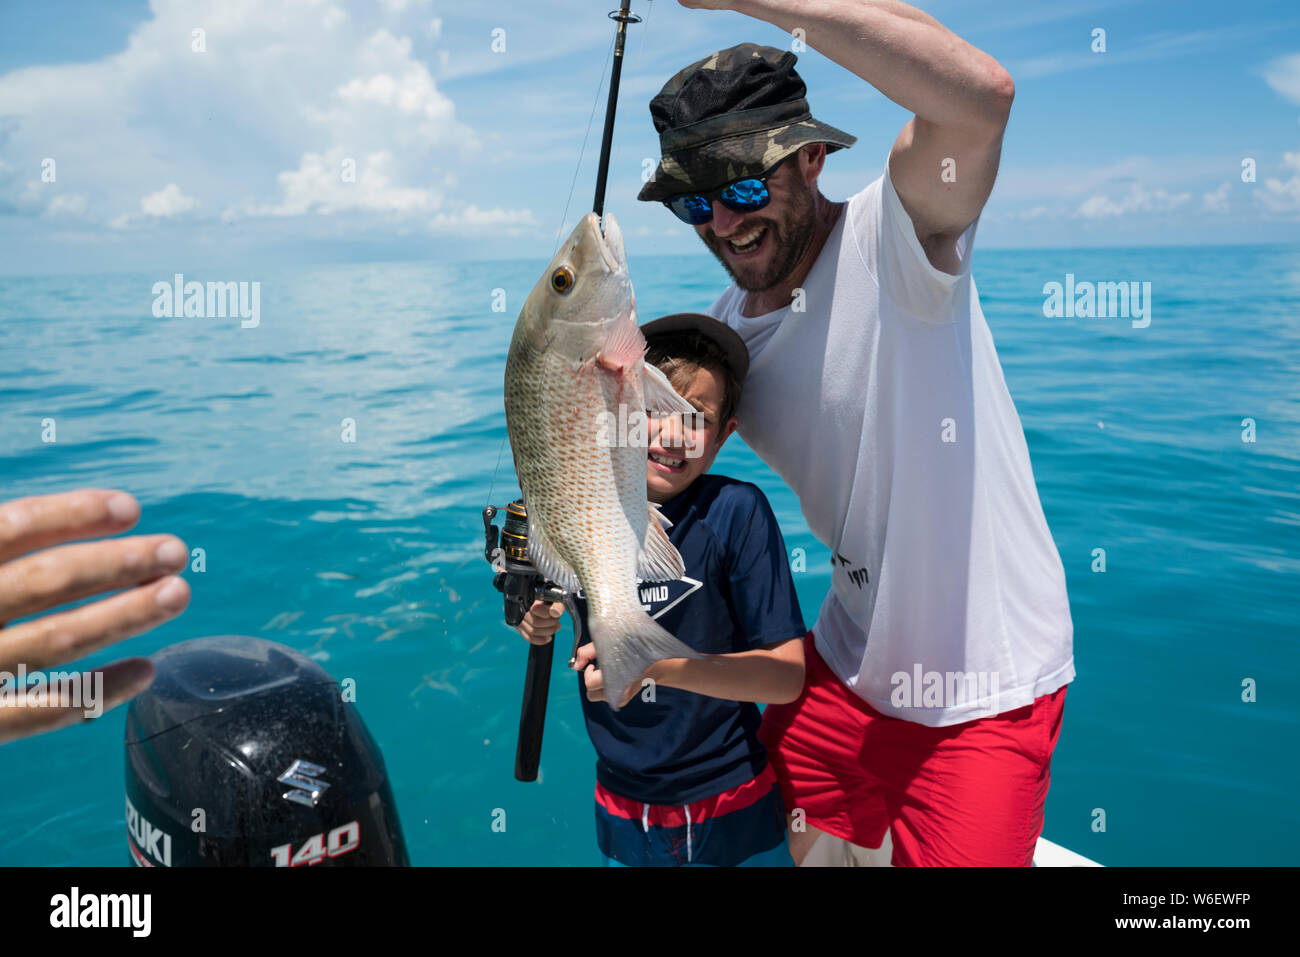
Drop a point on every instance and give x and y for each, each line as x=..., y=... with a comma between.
x=741, y=827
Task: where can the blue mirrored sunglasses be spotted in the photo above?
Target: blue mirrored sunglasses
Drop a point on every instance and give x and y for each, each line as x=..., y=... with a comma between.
x=743, y=196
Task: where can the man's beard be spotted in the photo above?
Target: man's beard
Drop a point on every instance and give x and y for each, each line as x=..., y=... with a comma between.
x=790, y=241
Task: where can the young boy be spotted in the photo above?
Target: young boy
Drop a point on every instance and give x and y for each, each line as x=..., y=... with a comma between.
x=682, y=778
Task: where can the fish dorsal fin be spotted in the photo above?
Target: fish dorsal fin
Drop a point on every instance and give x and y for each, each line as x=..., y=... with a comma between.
x=660, y=396
x=658, y=560
x=544, y=558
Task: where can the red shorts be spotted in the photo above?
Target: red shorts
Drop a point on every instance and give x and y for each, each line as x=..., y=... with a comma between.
x=965, y=794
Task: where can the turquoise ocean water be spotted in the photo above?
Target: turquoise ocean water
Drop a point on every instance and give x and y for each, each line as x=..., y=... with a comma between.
x=367, y=555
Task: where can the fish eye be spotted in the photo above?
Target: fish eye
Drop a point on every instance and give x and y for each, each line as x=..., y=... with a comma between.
x=562, y=279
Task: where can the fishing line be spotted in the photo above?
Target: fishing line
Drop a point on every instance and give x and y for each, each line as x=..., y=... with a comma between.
x=644, y=31
x=492, y=484
x=559, y=233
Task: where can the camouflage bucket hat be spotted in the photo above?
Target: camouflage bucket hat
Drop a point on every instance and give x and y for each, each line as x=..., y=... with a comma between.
x=734, y=114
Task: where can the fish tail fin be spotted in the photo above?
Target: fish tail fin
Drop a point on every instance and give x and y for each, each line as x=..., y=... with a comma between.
x=626, y=645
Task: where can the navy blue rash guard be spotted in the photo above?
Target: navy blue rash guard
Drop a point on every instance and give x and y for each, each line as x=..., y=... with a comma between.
x=736, y=595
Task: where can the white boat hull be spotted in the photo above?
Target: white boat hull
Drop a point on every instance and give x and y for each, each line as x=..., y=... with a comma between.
x=835, y=852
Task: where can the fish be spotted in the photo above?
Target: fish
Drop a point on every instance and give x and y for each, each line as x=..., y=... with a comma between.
x=576, y=367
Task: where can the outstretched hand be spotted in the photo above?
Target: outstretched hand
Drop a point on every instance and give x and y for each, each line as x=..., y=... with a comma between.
x=36, y=578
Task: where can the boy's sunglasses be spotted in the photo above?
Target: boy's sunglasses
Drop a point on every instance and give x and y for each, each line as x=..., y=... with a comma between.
x=743, y=196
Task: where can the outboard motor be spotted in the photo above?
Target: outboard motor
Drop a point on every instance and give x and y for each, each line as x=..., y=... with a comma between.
x=243, y=753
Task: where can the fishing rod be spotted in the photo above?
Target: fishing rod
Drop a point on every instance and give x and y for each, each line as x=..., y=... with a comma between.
x=507, y=548
x=623, y=16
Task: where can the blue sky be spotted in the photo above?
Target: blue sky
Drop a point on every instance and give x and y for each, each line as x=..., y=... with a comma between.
x=170, y=157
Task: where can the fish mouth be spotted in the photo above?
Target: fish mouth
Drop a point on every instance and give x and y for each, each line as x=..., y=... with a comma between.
x=612, y=250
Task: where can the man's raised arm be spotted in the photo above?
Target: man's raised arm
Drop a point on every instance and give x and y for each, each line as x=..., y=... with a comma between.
x=961, y=97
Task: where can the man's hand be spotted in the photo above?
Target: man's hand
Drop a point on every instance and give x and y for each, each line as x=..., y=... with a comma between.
x=36, y=578
x=541, y=622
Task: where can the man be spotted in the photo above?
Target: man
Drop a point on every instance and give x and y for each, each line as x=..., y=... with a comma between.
x=937, y=672
x=36, y=578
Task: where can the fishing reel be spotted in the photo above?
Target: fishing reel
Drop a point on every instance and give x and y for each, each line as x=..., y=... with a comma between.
x=507, y=550
x=521, y=584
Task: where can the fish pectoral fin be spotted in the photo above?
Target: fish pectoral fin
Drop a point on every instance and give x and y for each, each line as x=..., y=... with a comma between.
x=545, y=559
x=660, y=396
x=658, y=559
x=623, y=348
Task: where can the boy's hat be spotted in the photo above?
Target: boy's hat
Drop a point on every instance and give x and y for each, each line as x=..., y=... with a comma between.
x=732, y=346
x=733, y=114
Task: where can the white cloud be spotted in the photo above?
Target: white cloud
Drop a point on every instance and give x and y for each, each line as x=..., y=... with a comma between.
x=334, y=183
x=1283, y=75
x=1066, y=180
x=168, y=201
x=1138, y=200
x=398, y=7
x=1032, y=15
x=513, y=222
x=1217, y=201
x=1155, y=46
x=1283, y=196
x=1036, y=212
x=411, y=91
x=67, y=204
x=258, y=125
